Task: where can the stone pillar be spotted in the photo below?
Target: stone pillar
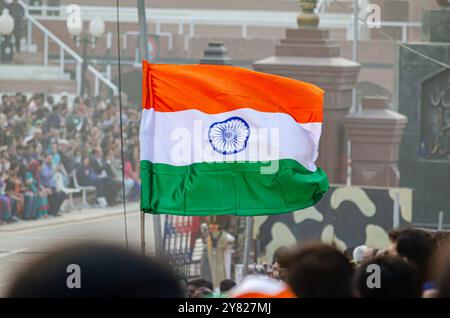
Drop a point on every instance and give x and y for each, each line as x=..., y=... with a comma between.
x=375, y=135
x=216, y=54
x=423, y=95
x=308, y=54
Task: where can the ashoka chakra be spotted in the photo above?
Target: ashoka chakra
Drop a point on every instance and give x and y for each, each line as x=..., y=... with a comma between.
x=229, y=136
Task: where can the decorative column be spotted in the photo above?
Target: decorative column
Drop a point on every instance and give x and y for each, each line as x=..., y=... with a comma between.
x=308, y=54
x=423, y=96
x=216, y=53
x=375, y=135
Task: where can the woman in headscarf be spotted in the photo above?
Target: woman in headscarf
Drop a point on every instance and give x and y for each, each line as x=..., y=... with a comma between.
x=14, y=189
x=33, y=181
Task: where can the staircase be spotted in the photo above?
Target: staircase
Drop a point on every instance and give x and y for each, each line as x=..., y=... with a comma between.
x=32, y=70
x=28, y=74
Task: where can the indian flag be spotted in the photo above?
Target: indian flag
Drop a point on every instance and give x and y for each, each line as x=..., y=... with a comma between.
x=226, y=140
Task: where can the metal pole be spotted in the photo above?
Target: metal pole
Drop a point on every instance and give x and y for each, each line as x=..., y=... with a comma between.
x=349, y=163
x=355, y=48
x=108, y=55
x=441, y=221
x=248, y=243
x=29, y=35
x=45, y=50
x=142, y=30
x=84, y=42
x=396, y=216
x=61, y=62
x=144, y=55
x=143, y=233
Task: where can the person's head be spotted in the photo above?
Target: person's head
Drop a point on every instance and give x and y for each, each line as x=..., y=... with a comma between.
x=54, y=147
x=278, y=267
x=196, y=284
x=418, y=247
x=393, y=235
x=318, y=270
x=202, y=292
x=97, y=152
x=14, y=168
x=63, y=145
x=397, y=279
x=48, y=158
x=278, y=254
x=359, y=253
x=104, y=271
x=85, y=160
x=34, y=167
x=226, y=285
x=349, y=253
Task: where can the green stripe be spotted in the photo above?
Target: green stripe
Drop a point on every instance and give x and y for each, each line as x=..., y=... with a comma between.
x=229, y=188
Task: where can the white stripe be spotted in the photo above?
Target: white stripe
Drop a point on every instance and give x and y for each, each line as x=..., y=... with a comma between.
x=254, y=284
x=181, y=138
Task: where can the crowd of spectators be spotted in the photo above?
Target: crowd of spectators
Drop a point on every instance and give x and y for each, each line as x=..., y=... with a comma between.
x=416, y=264
x=45, y=144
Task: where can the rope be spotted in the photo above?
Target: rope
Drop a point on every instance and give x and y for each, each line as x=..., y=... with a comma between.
x=121, y=127
x=426, y=57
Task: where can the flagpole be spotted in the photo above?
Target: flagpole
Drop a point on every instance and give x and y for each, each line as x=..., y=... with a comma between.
x=144, y=55
x=247, y=244
x=142, y=233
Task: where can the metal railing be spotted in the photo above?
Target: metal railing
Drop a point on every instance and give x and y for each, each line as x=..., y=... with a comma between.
x=178, y=245
x=63, y=50
x=190, y=19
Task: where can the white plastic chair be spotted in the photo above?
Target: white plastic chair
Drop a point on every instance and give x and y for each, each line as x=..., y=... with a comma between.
x=69, y=191
x=83, y=189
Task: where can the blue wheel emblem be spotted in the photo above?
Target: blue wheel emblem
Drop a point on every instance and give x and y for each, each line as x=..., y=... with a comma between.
x=229, y=136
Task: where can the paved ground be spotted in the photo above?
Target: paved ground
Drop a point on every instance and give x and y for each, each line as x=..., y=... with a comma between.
x=21, y=243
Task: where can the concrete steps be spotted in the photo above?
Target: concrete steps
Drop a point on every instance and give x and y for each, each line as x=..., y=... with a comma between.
x=31, y=72
x=33, y=86
x=23, y=58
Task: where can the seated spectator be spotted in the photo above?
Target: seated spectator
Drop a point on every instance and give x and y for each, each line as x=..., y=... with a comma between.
x=318, y=270
x=5, y=203
x=40, y=194
x=47, y=176
x=96, y=162
x=397, y=279
x=54, y=153
x=106, y=271
x=15, y=190
x=87, y=177
x=53, y=120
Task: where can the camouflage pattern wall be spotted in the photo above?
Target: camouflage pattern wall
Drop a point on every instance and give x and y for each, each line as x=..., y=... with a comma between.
x=347, y=216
